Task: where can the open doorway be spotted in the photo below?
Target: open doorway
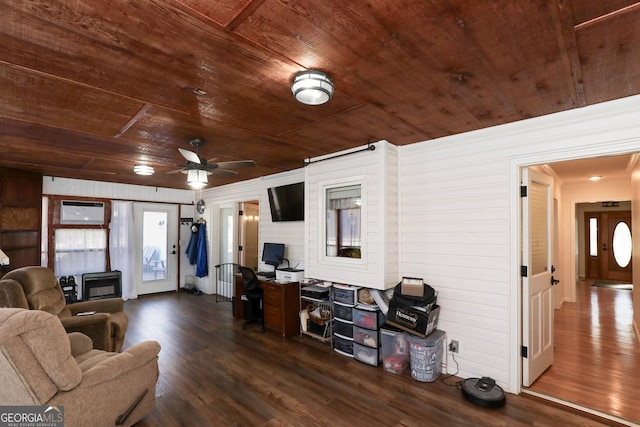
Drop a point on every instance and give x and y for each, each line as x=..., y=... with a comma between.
x=238, y=243
x=596, y=358
x=248, y=227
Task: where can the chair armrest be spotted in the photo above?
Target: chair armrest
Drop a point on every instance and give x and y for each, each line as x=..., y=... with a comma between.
x=121, y=363
x=95, y=326
x=80, y=343
x=107, y=305
x=90, y=320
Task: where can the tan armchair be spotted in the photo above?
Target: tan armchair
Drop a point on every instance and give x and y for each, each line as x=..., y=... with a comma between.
x=41, y=365
x=41, y=289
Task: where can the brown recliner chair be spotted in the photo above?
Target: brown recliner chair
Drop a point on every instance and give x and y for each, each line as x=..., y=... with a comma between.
x=106, y=327
x=40, y=364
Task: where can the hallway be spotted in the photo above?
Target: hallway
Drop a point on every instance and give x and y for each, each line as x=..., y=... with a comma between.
x=597, y=357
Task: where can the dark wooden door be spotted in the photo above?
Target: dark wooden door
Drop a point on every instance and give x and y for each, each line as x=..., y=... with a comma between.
x=608, y=245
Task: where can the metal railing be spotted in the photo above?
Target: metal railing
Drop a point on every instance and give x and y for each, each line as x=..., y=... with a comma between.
x=224, y=281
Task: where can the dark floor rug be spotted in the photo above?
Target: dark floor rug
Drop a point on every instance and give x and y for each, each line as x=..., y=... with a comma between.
x=613, y=285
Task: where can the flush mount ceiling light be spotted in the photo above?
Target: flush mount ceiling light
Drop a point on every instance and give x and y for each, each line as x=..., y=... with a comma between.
x=312, y=87
x=595, y=178
x=197, y=178
x=143, y=169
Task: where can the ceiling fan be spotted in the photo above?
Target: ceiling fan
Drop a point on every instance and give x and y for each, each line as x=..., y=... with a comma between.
x=197, y=163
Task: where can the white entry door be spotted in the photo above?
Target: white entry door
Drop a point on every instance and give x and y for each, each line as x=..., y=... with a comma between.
x=537, y=304
x=156, y=247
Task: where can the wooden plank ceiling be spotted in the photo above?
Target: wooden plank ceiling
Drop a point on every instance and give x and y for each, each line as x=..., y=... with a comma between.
x=90, y=88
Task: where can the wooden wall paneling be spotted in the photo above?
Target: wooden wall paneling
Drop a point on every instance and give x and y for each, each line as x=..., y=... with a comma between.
x=20, y=217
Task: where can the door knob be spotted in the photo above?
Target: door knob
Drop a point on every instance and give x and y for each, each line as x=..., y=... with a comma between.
x=554, y=281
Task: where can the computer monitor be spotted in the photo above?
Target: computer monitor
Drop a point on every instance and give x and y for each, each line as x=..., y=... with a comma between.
x=273, y=253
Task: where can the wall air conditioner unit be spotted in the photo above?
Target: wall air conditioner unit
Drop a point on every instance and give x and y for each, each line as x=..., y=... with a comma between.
x=78, y=212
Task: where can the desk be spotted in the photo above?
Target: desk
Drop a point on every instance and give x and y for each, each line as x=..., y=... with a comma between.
x=281, y=305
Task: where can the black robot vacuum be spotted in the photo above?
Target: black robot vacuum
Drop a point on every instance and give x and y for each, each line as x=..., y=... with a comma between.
x=483, y=392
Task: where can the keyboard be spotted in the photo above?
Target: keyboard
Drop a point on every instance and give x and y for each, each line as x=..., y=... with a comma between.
x=267, y=274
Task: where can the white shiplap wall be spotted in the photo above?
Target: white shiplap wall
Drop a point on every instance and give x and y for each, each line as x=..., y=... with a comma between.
x=459, y=221
x=377, y=171
x=289, y=233
x=390, y=205
x=111, y=190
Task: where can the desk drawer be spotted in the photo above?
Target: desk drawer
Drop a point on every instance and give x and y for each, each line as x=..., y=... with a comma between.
x=272, y=317
x=272, y=296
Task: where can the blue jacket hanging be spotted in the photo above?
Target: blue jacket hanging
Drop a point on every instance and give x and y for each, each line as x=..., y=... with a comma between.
x=202, y=266
x=192, y=247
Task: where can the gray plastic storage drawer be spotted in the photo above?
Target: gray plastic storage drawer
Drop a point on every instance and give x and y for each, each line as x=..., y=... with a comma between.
x=343, y=328
x=345, y=294
x=368, y=337
x=343, y=345
x=368, y=355
x=344, y=312
x=370, y=319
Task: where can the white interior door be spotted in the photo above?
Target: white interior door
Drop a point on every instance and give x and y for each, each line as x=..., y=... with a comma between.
x=157, y=247
x=537, y=304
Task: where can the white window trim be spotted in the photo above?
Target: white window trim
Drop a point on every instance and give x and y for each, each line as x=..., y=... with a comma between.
x=323, y=259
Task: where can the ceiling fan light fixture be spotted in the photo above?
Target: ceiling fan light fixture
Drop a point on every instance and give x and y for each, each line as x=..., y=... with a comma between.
x=312, y=87
x=197, y=178
x=143, y=170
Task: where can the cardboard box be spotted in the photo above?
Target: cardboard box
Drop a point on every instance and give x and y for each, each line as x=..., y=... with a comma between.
x=414, y=320
x=412, y=287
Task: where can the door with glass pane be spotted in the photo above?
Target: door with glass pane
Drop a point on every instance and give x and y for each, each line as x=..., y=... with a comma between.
x=537, y=278
x=157, y=247
x=608, y=254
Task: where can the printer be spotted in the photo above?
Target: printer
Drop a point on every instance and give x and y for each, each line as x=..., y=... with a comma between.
x=289, y=275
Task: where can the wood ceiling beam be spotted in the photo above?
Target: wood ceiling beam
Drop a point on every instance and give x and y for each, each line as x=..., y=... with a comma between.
x=569, y=46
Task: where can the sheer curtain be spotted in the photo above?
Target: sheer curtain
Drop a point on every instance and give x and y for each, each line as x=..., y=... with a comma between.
x=79, y=251
x=122, y=245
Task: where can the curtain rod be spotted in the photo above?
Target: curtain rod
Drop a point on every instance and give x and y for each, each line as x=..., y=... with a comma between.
x=369, y=147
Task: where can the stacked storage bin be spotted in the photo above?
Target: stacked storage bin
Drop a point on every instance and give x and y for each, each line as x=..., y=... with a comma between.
x=366, y=331
x=344, y=299
x=394, y=348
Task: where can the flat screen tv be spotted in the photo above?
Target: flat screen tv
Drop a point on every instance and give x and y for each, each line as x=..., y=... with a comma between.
x=273, y=253
x=287, y=202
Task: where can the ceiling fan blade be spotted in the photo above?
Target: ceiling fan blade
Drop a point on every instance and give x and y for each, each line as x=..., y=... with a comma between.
x=236, y=164
x=174, y=171
x=190, y=156
x=223, y=172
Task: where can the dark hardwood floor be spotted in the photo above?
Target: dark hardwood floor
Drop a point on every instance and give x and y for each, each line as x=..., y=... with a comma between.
x=212, y=373
x=596, y=356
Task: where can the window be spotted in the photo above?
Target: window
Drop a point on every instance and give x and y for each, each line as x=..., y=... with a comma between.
x=622, y=244
x=79, y=251
x=343, y=227
x=154, y=245
x=593, y=236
